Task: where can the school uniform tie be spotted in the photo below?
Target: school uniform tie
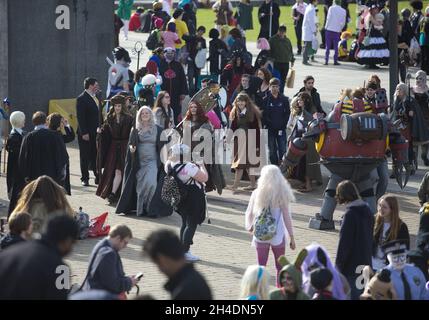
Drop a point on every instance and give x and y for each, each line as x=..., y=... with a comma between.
x=407, y=289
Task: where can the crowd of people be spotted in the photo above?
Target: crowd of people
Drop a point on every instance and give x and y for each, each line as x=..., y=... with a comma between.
x=127, y=141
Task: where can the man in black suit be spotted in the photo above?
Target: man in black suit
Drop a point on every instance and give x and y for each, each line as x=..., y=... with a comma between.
x=43, y=152
x=87, y=109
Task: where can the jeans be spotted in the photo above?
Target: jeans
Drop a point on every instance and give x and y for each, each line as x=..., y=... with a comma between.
x=283, y=69
x=332, y=39
x=305, y=54
x=187, y=231
x=276, y=145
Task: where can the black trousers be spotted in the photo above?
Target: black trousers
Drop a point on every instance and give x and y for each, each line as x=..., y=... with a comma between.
x=187, y=231
x=88, y=156
x=283, y=69
x=193, y=73
x=298, y=33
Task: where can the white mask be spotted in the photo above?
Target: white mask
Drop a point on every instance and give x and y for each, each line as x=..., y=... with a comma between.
x=398, y=261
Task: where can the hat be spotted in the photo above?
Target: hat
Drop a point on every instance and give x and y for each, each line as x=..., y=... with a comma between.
x=395, y=247
x=126, y=95
x=180, y=149
x=149, y=80
x=321, y=278
x=118, y=99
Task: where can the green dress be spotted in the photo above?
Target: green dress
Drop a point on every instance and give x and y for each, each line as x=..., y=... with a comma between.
x=244, y=16
x=124, y=9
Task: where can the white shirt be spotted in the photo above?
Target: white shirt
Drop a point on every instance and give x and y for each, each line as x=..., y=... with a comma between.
x=336, y=19
x=189, y=171
x=282, y=219
x=300, y=7
x=379, y=261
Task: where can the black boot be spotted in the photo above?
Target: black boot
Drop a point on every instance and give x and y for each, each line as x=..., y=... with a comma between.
x=112, y=199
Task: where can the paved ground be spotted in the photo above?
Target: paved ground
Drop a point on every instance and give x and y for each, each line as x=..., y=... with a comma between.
x=224, y=245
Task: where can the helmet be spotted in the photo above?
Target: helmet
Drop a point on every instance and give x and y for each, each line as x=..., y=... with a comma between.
x=6, y=101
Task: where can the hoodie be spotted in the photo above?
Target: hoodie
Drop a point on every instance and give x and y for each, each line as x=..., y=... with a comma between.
x=281, y=294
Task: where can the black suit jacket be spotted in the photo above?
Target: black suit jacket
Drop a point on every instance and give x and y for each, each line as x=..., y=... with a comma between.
x=43, y=152
x=87, y=115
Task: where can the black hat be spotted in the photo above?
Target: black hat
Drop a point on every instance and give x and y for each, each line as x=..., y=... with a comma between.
x=395, y=247
x=321, y=278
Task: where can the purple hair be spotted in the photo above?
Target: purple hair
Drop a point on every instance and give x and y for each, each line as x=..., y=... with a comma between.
x=263, y=44
x=313, y=259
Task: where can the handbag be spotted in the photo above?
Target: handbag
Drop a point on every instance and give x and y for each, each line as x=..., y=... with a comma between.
x=290, y=79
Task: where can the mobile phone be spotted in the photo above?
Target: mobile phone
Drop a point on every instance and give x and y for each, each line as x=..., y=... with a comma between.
x=139, y=275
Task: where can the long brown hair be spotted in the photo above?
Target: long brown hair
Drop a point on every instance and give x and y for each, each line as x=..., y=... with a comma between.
x=111, y=114
x=252, y=110
x=267, y=74
x=395, y=221
x=201, y=114
x=158, y=106
x=48, y=191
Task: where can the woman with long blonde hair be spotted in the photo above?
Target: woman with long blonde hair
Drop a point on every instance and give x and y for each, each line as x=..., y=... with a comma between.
x=246, y=116
x=388, y=227
x=41, y=198
x=254, y=284
x=273, y=196
x=142, y=164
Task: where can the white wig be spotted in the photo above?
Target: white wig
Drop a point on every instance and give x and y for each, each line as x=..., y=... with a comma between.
x=273, y=191
x=255, y=281
x=17, y=119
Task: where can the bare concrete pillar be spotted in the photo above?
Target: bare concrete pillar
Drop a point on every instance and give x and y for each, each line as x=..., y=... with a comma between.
x=47, y=48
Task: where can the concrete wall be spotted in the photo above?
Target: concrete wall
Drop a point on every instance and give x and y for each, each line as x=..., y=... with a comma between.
x=46, y=63
x=4, y=69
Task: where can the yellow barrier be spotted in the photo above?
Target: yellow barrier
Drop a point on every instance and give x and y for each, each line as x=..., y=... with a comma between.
x=66, y=108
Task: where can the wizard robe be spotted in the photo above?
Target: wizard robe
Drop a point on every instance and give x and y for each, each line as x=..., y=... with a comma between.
x=175, y=83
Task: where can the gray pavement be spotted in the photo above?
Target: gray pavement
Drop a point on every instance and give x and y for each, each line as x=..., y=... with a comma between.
x=224, y=245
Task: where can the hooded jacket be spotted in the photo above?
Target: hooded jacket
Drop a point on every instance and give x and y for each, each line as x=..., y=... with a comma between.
x=281, y=294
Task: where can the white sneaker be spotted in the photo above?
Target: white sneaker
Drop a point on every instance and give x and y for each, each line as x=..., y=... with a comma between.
x=190, y=257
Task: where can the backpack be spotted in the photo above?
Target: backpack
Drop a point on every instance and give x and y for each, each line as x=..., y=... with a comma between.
x=265, y=225
x=152, y=41
x=174, y=191
x=82, y=220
